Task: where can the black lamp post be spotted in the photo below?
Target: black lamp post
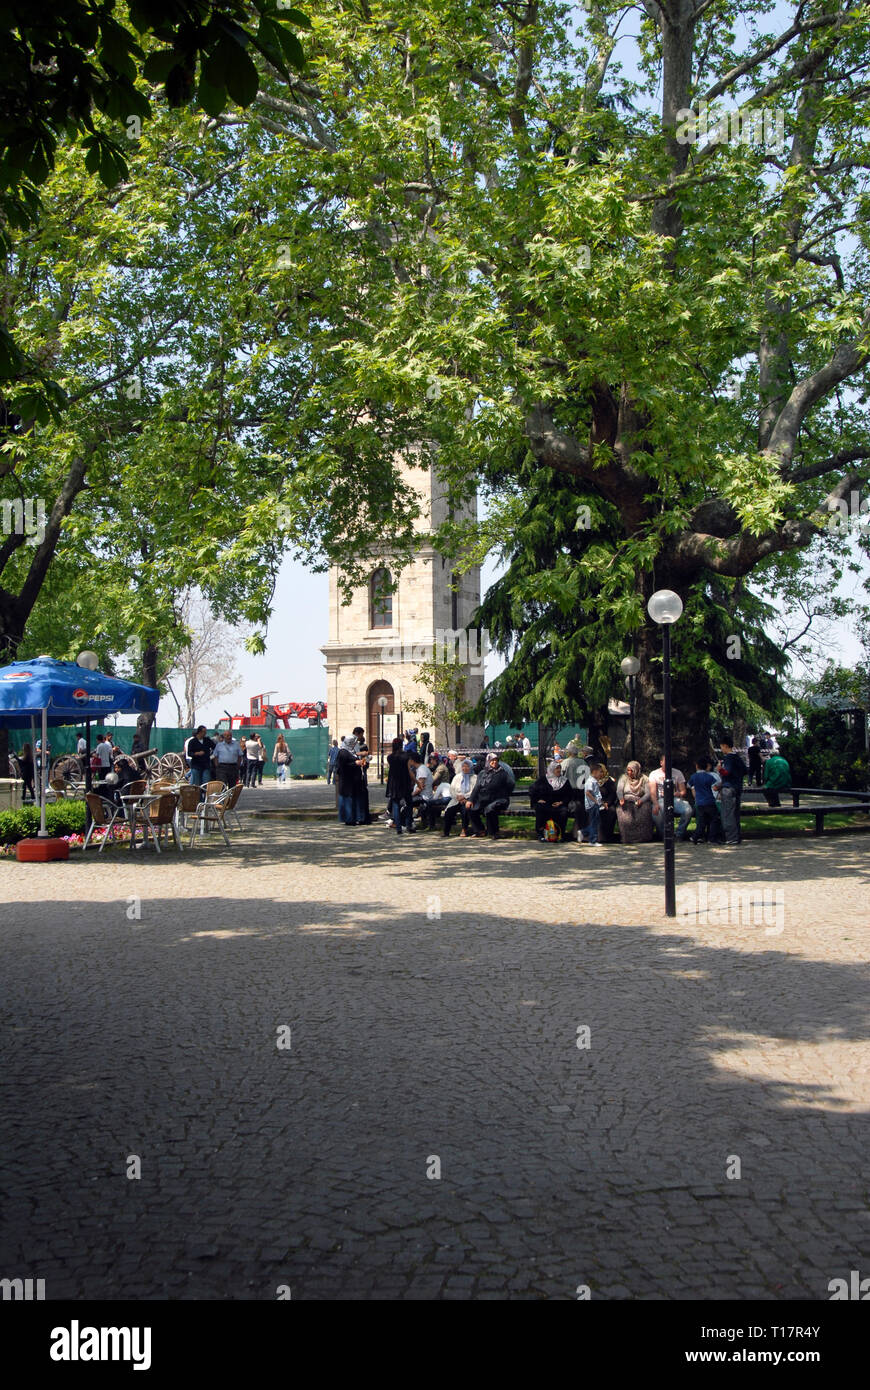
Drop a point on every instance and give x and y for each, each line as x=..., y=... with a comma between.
x=382, y=702
x=629, y=667
x=665, y=607
x=318, y=712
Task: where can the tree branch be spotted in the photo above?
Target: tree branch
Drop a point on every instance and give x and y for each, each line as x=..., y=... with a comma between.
x=818, y=470
x=820, y=22
x=692, y=552
x=844, y=361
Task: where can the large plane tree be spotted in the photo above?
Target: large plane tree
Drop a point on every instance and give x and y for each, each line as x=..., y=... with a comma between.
x=650, y=282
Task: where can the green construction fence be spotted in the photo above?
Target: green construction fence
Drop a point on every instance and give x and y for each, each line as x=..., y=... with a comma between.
x=309, y=746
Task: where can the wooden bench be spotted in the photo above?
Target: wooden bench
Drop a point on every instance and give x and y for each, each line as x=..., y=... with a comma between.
x=798, y=792
x=819, y=812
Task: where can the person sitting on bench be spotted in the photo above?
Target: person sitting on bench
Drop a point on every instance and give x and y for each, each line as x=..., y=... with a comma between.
x=549, y=798
x=490, y=797
x=461, y=787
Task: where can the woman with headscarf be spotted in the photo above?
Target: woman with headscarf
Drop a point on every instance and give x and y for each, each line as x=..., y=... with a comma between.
x=348, y=775
x=607, y=809
x=461, y=787
x=549, y=798
x=634, y=809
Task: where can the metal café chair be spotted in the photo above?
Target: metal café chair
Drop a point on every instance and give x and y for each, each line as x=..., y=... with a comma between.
x=232, y=801
x=159, y=813
x=212, y=810
x=104, y=813
x=188, y=803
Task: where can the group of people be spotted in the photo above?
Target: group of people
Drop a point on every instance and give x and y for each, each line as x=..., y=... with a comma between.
x=474, y=791
x=108, y=763
x=426, y=790
x=635, y=802
x=230, y=760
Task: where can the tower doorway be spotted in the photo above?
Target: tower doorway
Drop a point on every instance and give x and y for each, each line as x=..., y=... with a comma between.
x=373, y=710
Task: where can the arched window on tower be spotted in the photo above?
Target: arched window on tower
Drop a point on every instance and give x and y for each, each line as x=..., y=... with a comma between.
x=381, y=599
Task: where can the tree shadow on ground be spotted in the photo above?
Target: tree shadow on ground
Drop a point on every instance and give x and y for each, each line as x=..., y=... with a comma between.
x=413, y=1038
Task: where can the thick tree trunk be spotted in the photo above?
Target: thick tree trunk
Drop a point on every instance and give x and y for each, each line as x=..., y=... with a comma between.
x=150, y=657
x=690, y=715
x=690, y=698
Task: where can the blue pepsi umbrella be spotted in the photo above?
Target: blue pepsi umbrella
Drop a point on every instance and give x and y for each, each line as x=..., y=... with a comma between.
x=61, y=692
x=67, y=692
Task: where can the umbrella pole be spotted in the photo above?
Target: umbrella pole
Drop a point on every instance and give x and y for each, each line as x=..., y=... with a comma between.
x=88, y=775
x=43, y=780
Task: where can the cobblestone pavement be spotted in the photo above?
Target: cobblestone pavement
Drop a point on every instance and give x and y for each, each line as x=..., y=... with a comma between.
x=419, y=1040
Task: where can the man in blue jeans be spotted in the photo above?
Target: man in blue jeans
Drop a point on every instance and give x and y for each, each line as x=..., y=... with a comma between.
x=330, y=761
x=732, y=770
x=707, y=823
x=199, y=754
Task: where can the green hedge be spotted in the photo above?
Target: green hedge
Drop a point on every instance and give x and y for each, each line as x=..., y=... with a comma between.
x=61, y=818
x=517, y=760
x=826, y=753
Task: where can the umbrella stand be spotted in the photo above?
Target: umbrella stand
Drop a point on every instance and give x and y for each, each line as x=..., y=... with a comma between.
x=43, y=779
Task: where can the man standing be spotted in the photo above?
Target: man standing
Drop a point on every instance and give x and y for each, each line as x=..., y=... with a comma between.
x=252, y=760
x=81, y=750
x=226, y=758
x=199, y=754
x=682, y=807
x=704, y=784
x=330, y=761
x=777, y=778
x=527, y=746
x=732, y=770
x=104, y=753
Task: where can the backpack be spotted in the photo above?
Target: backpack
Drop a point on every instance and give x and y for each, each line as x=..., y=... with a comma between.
x=551, y=832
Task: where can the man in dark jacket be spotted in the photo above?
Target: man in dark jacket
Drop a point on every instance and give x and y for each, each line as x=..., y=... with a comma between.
x=199, y=754
x=399, y=789
x=348, y=775
x=490, y=797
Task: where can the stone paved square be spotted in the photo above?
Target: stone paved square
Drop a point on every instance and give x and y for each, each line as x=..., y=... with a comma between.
x=424, y=1040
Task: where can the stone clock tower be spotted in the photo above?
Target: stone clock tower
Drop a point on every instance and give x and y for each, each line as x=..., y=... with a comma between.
x=378, y=640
